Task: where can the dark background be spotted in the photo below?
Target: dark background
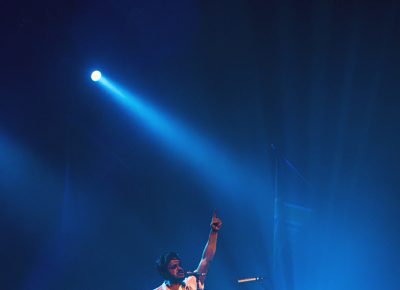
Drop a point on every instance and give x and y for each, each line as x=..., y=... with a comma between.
x=89, y=197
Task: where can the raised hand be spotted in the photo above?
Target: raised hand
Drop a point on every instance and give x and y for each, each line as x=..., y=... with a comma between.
x=216, y=223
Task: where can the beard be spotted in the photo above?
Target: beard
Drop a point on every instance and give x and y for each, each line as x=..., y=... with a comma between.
x=175, y=280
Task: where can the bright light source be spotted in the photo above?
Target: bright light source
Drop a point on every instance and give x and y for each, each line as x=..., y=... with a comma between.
x=96, y=76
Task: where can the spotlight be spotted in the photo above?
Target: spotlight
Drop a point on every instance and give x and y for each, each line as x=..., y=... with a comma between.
x=96, y=76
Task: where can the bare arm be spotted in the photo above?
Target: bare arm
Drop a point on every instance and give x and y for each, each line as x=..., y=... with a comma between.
x=211, y=246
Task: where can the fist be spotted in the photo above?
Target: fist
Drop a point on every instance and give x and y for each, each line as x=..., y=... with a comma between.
x=216, y=223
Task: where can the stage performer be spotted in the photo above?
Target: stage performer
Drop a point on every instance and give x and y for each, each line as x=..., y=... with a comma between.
x=170, y=268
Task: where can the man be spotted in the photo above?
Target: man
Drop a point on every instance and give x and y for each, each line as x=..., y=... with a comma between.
x=170, y=268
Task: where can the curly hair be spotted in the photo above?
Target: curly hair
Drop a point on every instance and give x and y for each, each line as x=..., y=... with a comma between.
x=162, y=263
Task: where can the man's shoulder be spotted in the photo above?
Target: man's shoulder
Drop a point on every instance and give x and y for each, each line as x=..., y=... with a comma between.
x=191, y=281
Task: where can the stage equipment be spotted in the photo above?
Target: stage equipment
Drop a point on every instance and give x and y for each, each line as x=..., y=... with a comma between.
x=95, y=76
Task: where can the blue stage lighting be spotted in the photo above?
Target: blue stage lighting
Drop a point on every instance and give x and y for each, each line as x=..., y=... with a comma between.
x=209, y=160
x=96, y=76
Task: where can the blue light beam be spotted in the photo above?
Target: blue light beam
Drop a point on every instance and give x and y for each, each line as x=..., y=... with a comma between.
x=213, y=164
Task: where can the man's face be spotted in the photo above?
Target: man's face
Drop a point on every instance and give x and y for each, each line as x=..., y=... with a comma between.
x=175, y=270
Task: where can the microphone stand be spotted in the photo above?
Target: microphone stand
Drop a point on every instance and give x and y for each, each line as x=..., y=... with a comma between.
x=260, y=281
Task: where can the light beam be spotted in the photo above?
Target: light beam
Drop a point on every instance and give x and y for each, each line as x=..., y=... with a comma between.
x=217, y=168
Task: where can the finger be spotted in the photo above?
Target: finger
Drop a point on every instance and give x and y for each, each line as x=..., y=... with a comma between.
x=215, y=214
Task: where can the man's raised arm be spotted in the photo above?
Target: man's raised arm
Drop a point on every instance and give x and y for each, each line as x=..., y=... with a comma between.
x=211, y=246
